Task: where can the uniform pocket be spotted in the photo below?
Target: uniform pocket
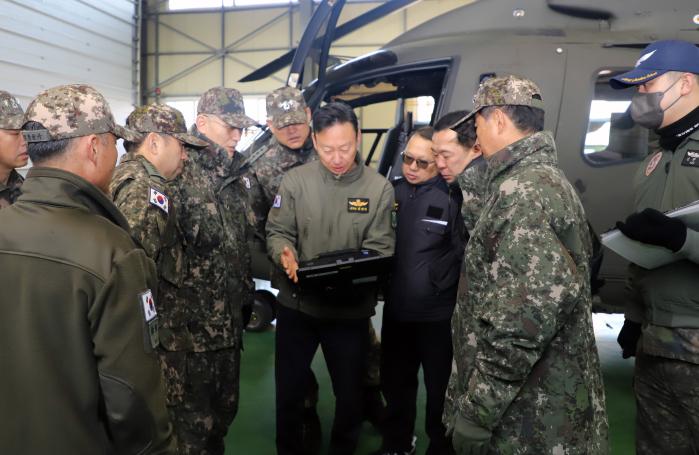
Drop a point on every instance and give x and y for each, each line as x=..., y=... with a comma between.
x=437, y=227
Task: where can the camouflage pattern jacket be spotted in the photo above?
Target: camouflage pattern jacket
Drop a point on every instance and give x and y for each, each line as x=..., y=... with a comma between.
x=472, y=183
x=527, y=364
x=217, y=278
x=263, y=177
x=11, y=191
x=143, y=197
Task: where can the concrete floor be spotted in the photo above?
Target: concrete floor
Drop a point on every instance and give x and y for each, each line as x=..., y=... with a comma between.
x=252, y=432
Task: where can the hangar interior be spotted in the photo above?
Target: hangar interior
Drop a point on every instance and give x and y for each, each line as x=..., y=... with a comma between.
x=171, y=51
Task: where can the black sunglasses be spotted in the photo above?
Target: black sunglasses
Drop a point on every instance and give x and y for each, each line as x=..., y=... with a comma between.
x=409, y=160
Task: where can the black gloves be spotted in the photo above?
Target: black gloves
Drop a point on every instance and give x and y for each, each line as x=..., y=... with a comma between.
x=653, y=227
x=628, y=338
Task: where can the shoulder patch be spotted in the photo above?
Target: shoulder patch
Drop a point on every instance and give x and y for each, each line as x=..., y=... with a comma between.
x=277, y=201
x=246, y=181
x=150, y=320
x=159, y=200
x=653, y=163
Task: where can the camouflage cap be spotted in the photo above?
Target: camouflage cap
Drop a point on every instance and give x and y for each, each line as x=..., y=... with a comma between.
x=227, y=104
x=69, y=111
x=507, y=90
x=11, y=114
x=161, y=118
x=286, y=106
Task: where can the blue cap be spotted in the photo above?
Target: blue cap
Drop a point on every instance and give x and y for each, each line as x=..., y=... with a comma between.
x=657, y=59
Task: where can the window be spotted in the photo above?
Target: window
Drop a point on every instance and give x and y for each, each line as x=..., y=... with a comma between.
x=175, y=5
x=612, y=136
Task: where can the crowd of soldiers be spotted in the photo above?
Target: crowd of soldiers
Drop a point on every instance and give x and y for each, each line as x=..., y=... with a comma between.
x=123, y=287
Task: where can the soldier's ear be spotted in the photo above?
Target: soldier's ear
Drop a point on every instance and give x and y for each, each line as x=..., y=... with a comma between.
x=152, y=142
x=200, y=121
x=269, y=124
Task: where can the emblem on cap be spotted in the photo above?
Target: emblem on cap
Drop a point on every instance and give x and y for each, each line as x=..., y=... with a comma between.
x=645, y=57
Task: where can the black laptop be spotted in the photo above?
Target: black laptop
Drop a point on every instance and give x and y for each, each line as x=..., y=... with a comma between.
x=344, y=266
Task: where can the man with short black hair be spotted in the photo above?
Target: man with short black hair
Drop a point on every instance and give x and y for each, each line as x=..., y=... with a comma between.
x=335, y=203
x=459, y=160
x=79, y=326
x=13, y=149
x=662, y=309
x=527, y=365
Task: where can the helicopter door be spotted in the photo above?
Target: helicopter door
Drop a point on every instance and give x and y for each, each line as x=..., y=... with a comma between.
x=599, y=147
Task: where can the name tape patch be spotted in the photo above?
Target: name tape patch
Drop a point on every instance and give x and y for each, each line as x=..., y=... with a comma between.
x=691, y=158
x=358, y=205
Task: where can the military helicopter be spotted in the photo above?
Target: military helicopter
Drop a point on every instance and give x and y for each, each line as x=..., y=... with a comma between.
x=570, y=48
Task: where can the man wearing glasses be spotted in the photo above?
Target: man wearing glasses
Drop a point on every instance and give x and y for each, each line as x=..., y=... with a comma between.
x=430, y=238
x=217, y=278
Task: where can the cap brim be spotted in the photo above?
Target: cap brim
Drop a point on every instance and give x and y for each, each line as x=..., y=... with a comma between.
x=12, y=122
x=190, y=140
x=238, y=120
x=126, y=134
x=634, y=77
x=464, y=119
x=290, y=118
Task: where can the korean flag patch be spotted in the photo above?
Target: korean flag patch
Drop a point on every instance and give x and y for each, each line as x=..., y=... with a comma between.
x=150, y=319
x=277, y=201
x=247, y=182
x=159, y=200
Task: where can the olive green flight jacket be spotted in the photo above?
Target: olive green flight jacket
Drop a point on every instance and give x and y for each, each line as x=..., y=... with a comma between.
x=317, y=212
x=666, y=299
x=79, y=372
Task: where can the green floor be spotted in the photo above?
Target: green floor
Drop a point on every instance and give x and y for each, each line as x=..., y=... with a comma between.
x=252, y=433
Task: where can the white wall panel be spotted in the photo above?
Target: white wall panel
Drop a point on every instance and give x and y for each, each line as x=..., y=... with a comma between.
x=44, y=43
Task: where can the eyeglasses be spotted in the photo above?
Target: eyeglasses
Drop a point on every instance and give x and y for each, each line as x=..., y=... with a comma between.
x=409, y=160
x=228, y=127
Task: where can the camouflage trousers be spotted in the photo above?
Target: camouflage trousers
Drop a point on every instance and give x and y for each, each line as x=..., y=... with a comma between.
x=202, y=397
x=372, y=377
x=667, y=406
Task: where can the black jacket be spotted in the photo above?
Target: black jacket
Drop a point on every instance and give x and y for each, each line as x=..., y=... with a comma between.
x=430, y=241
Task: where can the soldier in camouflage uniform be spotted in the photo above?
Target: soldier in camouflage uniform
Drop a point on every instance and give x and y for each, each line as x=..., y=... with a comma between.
x=459, y=161
x=217, y=279
x=662, y=308
x=140, y=189
x=13, y=149
x=529, y=378
x=288, y=118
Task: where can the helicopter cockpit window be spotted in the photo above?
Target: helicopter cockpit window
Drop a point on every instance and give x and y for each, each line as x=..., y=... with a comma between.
x=612, y=136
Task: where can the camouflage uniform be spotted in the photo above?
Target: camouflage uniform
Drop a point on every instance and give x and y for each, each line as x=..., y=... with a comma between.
x=11, y=118
x=216, y=282
x=472, y=184
x=528, y=373
x=143, y=195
